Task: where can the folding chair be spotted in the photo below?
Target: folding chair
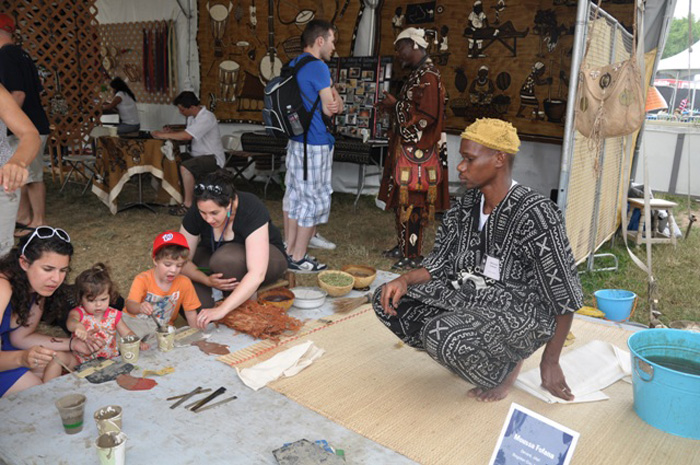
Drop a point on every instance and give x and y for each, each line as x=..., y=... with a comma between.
x=84, y=165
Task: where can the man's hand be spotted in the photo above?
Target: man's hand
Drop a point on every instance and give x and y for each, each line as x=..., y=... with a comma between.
x=217, y=281
x=392, y=293
x=146, y=308
x=208, y=315
x=553, y=380
x=13, y=176
x=388, y=102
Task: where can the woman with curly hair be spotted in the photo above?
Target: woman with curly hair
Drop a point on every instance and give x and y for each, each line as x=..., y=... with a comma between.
x=29, y=275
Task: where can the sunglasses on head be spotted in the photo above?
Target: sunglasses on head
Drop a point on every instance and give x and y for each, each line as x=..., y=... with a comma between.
x=46, y=232
x=213, y=188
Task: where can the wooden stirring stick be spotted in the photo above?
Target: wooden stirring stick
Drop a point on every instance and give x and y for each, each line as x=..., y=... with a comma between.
x=58, y=360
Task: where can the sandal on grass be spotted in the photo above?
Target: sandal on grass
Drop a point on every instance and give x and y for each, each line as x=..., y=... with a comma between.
x=23, y=231
x=178, y=210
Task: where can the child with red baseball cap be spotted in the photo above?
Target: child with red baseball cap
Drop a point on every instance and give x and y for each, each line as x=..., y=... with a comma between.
x=162, y=290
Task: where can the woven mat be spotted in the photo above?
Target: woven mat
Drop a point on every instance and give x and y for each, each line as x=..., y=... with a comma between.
x=399, y=397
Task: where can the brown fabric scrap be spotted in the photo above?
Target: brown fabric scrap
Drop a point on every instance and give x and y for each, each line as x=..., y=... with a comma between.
x=131, y=383
x=210, y=348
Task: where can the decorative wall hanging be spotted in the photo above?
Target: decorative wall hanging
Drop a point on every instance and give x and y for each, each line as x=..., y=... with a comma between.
x=144, y=55
x=420, y=13
x=234, y=56
x=501, y=58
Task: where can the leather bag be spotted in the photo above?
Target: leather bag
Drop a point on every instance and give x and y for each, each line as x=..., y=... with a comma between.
x=610, y=99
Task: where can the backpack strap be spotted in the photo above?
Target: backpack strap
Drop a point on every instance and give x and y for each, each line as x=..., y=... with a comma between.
x=297, y=67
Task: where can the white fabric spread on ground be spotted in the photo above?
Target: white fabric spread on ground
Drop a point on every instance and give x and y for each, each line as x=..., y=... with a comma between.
x=285, y=364
x=588, y=370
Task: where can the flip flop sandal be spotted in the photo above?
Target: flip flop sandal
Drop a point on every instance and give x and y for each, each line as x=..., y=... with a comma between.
x=20, y=225
x=178, y=210
x=24, y=231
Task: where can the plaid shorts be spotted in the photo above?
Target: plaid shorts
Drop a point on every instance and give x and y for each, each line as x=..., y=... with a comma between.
x=308, y=202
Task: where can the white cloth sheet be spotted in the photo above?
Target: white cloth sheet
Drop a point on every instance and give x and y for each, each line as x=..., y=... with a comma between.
x=287, y=363
x=588, y=370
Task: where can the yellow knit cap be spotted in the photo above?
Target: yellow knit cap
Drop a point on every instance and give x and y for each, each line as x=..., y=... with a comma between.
x=493, y=133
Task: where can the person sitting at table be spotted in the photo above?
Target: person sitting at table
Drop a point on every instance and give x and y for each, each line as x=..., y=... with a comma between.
x=124, y=102
x=207, y=152
x=29, y=275
x=229, y=234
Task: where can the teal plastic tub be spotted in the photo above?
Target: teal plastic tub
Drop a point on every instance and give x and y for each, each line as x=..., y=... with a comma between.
x=666, y=379
x=617, y=304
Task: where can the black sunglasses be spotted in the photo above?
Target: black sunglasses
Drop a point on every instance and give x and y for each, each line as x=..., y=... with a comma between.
x=213, y=188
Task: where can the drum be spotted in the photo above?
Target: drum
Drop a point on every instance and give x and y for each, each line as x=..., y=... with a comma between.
x=219, y=18
x=228, y=77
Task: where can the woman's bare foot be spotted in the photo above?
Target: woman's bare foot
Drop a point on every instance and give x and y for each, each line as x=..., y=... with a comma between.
x=499, y=392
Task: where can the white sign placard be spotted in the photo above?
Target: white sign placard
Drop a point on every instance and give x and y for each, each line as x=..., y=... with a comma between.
x=528, y=438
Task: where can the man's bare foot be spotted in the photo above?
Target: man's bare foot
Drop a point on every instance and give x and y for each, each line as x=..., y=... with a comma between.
x=499, y=392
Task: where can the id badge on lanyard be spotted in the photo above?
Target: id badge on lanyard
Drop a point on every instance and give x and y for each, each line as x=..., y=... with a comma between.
x=491, y=267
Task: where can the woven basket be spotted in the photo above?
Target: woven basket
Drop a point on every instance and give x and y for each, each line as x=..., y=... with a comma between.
x=334, y=291
x=364, y=275
x=279, y=297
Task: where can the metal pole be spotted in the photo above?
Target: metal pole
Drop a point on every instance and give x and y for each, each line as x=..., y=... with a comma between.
x=567, y=148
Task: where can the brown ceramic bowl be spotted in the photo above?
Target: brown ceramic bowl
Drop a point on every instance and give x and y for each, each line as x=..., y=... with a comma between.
x=279, y=297
x=364, y=275
x=332, y=290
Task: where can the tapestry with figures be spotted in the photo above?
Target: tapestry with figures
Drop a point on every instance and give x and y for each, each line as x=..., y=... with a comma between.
x=244, y=43
x=507, y=59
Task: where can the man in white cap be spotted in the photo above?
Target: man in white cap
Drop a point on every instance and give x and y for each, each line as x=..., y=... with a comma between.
x=414, y=182
x=500, y=282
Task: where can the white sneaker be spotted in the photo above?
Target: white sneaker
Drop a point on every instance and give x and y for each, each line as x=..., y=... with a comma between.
x=320, y=242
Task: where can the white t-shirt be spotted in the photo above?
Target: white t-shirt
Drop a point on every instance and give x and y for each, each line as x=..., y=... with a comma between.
x=483, y=217
x=206, y=138
x=128, y=113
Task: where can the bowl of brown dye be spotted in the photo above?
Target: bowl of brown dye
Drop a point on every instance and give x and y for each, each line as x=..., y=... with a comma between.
x=279, y=297
x=364, y=275
x=335, y=282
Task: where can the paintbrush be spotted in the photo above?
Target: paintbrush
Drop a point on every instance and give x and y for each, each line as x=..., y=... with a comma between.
x=160, y=328
x=58, y=360
x=351, y=303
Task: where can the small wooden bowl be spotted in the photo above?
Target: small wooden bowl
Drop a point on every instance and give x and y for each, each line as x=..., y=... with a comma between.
x=335, y=291
x=364, y=275
x=279, y=297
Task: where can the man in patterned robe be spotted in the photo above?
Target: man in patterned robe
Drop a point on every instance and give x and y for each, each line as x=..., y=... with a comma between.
x=418, y=187
x=500, y=282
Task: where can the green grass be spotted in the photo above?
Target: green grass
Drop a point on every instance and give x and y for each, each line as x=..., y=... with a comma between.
x=675, y=270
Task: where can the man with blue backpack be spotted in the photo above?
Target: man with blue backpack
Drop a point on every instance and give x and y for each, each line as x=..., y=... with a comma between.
x=307, y=200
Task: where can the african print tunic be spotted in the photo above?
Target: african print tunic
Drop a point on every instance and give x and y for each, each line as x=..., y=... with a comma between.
x=538, y=278
x=419, y=120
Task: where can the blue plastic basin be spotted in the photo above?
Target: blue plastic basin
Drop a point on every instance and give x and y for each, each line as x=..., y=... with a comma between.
x=665, y=398
x=617, y=304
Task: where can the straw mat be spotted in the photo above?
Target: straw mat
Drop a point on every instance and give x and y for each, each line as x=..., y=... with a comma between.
x=399, y=397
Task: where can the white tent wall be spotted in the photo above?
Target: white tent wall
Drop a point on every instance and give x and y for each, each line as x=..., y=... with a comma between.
x=537, y=164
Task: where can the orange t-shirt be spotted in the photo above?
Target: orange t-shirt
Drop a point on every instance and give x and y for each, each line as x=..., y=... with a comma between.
x=166, y=304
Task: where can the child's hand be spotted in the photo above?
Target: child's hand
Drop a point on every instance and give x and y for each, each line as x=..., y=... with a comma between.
x=80, y=332
x=146, y=308
x=144, y=346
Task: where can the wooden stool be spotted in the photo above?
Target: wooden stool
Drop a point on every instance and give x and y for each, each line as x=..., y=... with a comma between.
x=655, y=205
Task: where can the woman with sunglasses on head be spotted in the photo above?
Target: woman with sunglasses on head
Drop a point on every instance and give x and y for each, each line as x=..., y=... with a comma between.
x=231, y=235
x=29, y=275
